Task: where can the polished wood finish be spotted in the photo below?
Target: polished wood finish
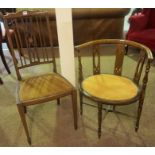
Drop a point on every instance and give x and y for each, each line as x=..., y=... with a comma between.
x=113, y=89
x=33, y=51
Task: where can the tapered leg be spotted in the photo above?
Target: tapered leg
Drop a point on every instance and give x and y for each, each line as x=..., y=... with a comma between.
x=23, y=119
x=81, y=103
x=99, y=119
x=139, y=111
x=74, y=105
x=58, y=101
x=4, y=61
x=1, y=82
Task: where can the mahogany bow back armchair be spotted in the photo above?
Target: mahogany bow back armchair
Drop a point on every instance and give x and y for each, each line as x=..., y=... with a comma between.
x=27, y=43
x=112, y=89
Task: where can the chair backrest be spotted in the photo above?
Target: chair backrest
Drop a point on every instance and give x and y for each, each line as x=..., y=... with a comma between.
x=95, y=49
x=28, y=42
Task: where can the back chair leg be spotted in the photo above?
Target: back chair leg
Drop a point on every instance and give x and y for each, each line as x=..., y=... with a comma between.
x=81, y=103
x=1, y=82
x=99, y=119
x=23, y=119
x=74, y=105
x=139, y=111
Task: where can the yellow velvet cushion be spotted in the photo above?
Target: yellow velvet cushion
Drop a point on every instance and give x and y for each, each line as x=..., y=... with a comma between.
x=110, y=87
x=43, y=86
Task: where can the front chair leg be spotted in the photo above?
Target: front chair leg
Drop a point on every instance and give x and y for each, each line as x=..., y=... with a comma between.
x=99, y=119
x=139, y=111
x=74, y=105
x=23, y=119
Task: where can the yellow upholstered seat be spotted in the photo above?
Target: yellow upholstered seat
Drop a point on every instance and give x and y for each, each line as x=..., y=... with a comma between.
x=48, y=85
x=110, y=87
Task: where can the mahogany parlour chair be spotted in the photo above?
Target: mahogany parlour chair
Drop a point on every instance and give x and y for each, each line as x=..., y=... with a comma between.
x=114, y=88
x=142, y=28
x=30, y=41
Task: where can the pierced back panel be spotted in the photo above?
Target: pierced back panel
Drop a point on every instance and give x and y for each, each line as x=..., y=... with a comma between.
x=119, y=48
x=28, y=42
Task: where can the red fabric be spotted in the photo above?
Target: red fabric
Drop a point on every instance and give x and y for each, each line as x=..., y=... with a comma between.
x=142, y=28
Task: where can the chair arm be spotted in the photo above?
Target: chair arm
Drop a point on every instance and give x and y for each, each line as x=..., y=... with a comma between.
x=138, y=22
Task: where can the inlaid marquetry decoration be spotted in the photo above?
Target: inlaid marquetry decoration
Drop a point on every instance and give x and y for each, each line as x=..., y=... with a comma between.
x=80, y=69
x=96, y=59
x=119, y=59
x=114, y=89
x=139, y=66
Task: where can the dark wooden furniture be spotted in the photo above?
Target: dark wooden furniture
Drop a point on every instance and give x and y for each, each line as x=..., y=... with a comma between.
x=1, y=82
x=2, y=39
x=43, y=88
x=91, y=23
x=113, y=89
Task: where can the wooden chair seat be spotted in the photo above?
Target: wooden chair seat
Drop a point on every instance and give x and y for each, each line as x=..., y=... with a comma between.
x=110, y=87
x=44, y=86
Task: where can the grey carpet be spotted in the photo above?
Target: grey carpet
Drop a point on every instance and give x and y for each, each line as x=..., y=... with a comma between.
x=52, y=125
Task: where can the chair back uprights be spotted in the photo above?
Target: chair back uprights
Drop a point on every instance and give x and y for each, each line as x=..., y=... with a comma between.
x=95, y=49
x=28, y=42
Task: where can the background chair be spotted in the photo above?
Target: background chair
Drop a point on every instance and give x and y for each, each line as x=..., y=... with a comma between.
x=1, y=82
x=40, y=88
x=142, y=28
x=2, y=40
x=114, y=88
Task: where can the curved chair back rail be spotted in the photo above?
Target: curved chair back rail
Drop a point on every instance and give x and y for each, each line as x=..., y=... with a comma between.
x=115, y=88
x=146, y=54
x=117, y=41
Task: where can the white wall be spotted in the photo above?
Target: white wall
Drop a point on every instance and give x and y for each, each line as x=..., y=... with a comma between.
x=65, y=39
